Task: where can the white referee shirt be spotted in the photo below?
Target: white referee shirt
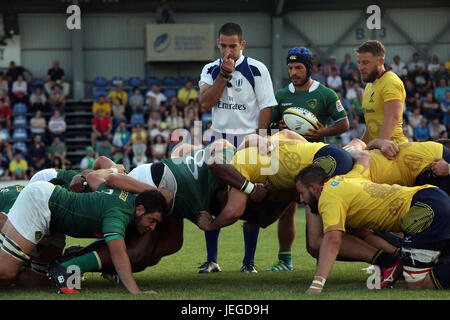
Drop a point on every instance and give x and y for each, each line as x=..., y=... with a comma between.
x=248, y=92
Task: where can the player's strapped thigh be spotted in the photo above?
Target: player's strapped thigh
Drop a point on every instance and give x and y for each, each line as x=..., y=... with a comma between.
x=334, y=160
x=13, y=249
x=426, y=228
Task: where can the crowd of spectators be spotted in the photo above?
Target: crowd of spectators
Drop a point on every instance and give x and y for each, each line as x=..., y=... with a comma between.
x=426, y=113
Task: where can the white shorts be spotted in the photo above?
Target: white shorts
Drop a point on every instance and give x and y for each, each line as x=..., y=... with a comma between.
x=143, y=174
x=30, y=214
x=44, y=175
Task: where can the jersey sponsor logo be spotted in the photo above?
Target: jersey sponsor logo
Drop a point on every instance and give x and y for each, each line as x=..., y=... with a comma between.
x=339, y=106
x=38, y=235
x=231, y=106
x=371, y=97
x=286, y=104
x=123, y=196
x=312, y=103
x=334, y=183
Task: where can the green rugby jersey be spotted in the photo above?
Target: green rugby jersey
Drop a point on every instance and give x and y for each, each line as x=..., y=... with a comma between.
x=196, y=184
x=67, y=175
x=319, y=99
x=8, y=196
x=104, y=213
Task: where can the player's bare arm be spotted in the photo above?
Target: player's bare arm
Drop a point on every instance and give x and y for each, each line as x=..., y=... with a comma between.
x=388, y=147
x=392, y=116
x=232, y=211
x=329, y=248
x=440, y=167
x=337, y=128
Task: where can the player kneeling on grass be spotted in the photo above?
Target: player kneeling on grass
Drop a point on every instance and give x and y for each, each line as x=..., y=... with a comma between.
x=42, y=207
x=351, y=201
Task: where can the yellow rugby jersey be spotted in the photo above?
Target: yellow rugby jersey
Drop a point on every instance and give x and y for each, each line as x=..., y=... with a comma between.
x=386, y=88
x=278, y=168
x=411, y=160
x=355, y=202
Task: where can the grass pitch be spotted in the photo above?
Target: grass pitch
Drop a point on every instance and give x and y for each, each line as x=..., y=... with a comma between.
x=175, y=277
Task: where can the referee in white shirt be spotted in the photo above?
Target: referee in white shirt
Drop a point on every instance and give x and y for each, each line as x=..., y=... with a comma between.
x=238, y=91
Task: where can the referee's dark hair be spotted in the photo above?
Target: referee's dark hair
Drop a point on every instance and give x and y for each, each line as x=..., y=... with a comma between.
x=231, y=29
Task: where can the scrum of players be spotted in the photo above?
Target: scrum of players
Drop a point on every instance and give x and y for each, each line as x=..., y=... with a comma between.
x=388, y=206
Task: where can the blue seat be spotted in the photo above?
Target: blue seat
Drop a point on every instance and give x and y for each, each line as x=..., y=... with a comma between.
x=19, y=108
x=117, y=80
x=169, y=82
x=137, y=118
x=100, y=82
x=38, y=83
x=150, y=81
x=20, y=134
x=20, y=146
x=169, y=93
x=20, y=121
x=134, y=82
x=99, y=92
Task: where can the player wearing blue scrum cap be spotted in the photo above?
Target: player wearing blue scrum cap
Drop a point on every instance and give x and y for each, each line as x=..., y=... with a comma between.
x=324, y=103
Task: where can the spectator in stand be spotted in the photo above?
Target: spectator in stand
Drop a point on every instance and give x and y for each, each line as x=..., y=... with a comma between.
x=165, y=132
x=315, y=61
x=4, y=85
x=139, y=148
x=156, y=130
x=5, y=97
x=138, y=130
x=356, y=76
x=57, y=126
x=155, y=98
x=436, y=129
x=18, y=167
x=439, y=92
x=119, y=157
x=422, y=132
x=88, y=160
x=190, y=117
x=101, y=127
x=445, y=107
x=153, y=120
x=187, y=93
x=431, y=108
x=317, y=74
x=352, y=92
x=105, y=148
x=174, y=121
x=37, y=155
x=14, y=71
x=408, y=130
x=399, y=68
x=347, y=67
x=159, y=148
x=118, y=93
x=118, y=112
x=38, y=124
x=58, y=149
x=164, y=14
x=57, y=163
x=102, y=103
x=4, y=168
x=356, y=131
x=416, y=117
x=412, y=96
x=334, y=80
x=327, y=69
x=357, y=107
x=433, y=66
x=422, y=80
x=415, y=62
x=441, y=73
x=137, y=101
x=55, y=75
x=122, y=138
x=38, y=100
x=19, y=90
x=57, y=99
x=5, y=116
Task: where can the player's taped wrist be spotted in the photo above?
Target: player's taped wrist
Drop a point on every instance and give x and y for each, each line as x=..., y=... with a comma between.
x=114, y=170
x=318, y=283
x=248, y=187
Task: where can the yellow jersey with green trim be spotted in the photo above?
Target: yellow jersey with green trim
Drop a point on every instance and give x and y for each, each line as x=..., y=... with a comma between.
x=410, y=161
x=279, y=167
x=386, y=88
x=352, y=201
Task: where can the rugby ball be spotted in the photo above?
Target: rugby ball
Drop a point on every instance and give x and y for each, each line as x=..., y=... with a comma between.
x=300, y=120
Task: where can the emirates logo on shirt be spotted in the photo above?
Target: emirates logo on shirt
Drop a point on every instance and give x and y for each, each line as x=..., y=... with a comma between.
x=231, y=106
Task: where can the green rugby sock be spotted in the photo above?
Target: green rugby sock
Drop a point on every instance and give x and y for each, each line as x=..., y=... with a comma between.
x=285, y=255
x=89, y=262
